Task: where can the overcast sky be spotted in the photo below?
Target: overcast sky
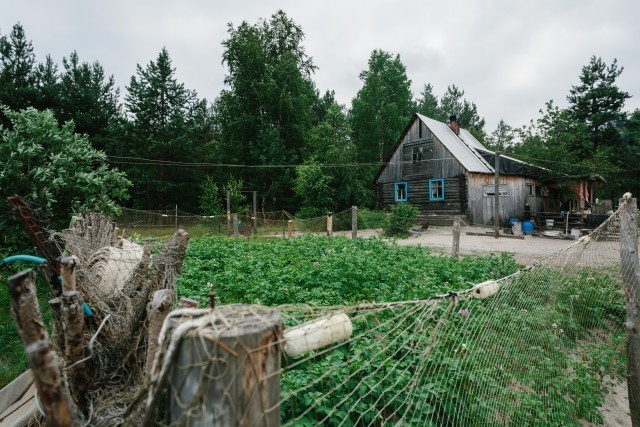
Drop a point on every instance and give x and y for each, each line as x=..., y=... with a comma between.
x=509, y=56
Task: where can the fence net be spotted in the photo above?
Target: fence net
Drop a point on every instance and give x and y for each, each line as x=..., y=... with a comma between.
x=544, y=346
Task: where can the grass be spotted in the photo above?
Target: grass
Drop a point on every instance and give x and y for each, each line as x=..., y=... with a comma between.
x=13, y=360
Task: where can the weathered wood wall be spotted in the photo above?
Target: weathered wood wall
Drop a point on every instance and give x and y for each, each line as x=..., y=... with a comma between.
x=512, y=205
x=437, y=162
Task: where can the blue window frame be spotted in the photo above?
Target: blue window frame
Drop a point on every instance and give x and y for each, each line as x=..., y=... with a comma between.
x=400, y=191
x=436, y=189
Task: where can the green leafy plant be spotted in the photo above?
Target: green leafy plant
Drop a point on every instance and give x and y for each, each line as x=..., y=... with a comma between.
x=402, y=217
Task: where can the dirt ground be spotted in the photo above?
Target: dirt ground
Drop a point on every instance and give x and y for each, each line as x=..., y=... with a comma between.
x=527, y=251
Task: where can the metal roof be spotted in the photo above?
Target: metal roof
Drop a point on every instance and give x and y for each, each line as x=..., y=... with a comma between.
x=462, y=147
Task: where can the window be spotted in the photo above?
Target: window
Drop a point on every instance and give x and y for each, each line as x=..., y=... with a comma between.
x=400, y=192
x=436, y=189
x=416, y=155
x=419, y=129
x=490, y=190
x=530, y=190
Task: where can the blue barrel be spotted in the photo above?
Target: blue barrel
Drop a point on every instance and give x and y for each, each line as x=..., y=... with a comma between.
x=513, y=220
x=527, y=227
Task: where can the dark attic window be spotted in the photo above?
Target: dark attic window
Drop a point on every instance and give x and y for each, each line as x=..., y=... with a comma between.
x=416, y=155
x=420, y=129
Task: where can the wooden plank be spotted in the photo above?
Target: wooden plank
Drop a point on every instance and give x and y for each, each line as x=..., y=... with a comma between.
x=13, y=391
x=20, y=413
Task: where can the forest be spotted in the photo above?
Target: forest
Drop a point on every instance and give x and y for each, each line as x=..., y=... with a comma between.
x=72, y=140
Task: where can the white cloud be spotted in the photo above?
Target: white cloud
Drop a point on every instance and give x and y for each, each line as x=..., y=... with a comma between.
x=509, y=57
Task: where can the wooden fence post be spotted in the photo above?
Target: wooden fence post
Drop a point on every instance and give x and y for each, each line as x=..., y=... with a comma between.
x=354, y=222
x=235, y=225
x=227, y=373
x=228, y=213
x=290, y=227
x=255, y=213
x=496, y=203
x=330, y=224
x=56, y=401
x=631, y=277
x=455, y=251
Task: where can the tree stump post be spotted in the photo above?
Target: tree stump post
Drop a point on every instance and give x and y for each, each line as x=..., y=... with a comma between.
x=330, y=224
x=290, y=228
x=227, y=373
x=631, y=277
x=58, y=406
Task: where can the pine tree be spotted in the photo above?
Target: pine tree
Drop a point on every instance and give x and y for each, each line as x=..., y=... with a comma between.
x=597, y=101
x=17, y=77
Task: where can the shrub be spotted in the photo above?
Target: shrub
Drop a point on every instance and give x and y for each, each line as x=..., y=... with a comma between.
x=402, y=217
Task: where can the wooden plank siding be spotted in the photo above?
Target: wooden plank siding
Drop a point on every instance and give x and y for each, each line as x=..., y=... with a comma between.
x=511, y=206
x=418, y=195
x=437, y=162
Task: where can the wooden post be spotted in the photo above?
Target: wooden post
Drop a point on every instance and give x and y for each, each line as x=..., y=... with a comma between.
x=73, y=326
x=176, y=217
x=631, y=277
x=255, y=213
x=455, y=251
x=57, y=404
x=226, y=372
x=290, y=226
x=235, y=225
x=228, y=213
x=354, y=222
x=157, y=311
x=496, y=205
x=330, y=224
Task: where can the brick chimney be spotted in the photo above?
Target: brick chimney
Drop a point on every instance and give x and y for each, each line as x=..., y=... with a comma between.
x=453, y=124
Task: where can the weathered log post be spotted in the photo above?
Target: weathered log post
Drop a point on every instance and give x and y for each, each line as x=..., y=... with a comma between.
x=455, y=250
x=330, y=224
x=631, y=277
x=235, y=225
x=354, y=222
x=229, y=213
x=58, y=406
x=255, y=213
x=73, y=326
x=227, y=370
x=157, y=311
x=290, y=228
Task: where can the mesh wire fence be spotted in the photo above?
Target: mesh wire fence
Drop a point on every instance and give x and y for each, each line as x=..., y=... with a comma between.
x=543, y=346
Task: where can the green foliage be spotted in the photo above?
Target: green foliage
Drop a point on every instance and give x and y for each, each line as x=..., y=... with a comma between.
x=54, y=168
x=314, y=187
x=233, y=188
x=265, y=115
x=210, y=203
x=325, y=271
x=501, y=138
x=382, y=107
x=523, y=361
x=402, y=217
x=165, y=127
x=370, y=219
x=17, y=78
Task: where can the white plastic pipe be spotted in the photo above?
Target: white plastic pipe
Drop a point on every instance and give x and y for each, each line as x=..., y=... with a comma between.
x=485, y=289
x=317, y=334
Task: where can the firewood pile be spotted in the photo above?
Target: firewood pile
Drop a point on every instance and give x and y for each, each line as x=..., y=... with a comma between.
x=106, y=317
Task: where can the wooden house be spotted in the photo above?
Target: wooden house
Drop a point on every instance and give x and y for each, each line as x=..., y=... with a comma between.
x=445, y=171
